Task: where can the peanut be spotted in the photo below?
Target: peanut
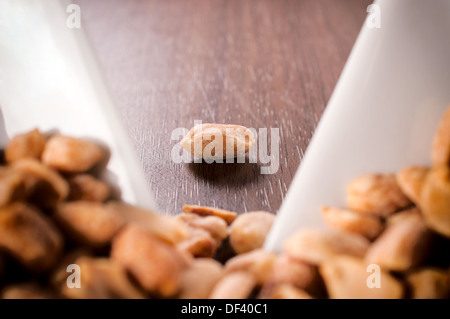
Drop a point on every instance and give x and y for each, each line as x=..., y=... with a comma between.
x=155, y=265
x=87, y=187
x=90, y=223
x=345, y=220
x=198, y=280
x=102, y=278
x=316, y=246
x=70, y=154
x=376, y=194
x=215, y=226
x=410, y=180
x=44, y=186
x=218, y=141
x=402, y=245
x=11, y=185
x=226, y=215
x=257, y=262
x=435, y=200
x=27, y=290
x=29, y=236
x=249, y=231
x=236, y=285
x=287, y=291
x=199, y=243
x=28, y=145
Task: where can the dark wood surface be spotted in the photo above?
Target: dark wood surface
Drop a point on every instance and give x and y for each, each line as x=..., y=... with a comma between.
x=260, y=64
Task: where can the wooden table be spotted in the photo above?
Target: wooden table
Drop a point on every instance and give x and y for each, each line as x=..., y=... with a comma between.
x=261, y=64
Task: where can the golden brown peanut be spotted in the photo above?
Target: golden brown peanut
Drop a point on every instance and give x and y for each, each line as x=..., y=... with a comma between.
x=101, y=278
x=376, y=194
x=435, y=200
x=27, y=291
x=43, y=185
x=440, y=151
x=249, y=231
x=286, y=270
x=257, y=262
x=218, y=141
x=348, y=278
x=403, y=215
x=410, y=180
x=199, y=243
x=316, y=246
x=89, y=223
x=287, y=291
x=215, y=226
x=28, y=145
x=346, y=220
x=11, y=185
x=155, y=265
x=70, y=154
x=402, y=245
x=236, y=285
x=165, y=228
x=198, y=280
x=429, y=283
x=87, y=187
x=29, y=236
x=226, y=215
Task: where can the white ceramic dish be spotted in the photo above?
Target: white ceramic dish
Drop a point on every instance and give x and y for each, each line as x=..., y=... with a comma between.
x=49, y=79
x=382, y=114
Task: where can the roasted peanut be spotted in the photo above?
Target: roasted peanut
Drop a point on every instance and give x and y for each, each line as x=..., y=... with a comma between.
x=218, y=141
x=165, y=228
x=87, y=187
x=236, y=285
x=410, y=180
x=199, y=279
x=58, y=278
x=71, y=154
x=43, y=185
x=347, y=278
x=249, y=231
x=11, y=185
x=199, y=243
x=155, y=265
x=287, y=291
x=215, y=226
x=402, y=245
x=429, y=283
x=28, y=145
x=403, y=215
x=346, y=220
x=440, y=152
x=257, y=262
x=286, y=270
x=102, y=278
x=226, y=215
x=435, y=200
x=316, y=246
x=29, y=236
x=27, y=291
x=376, y=194
x=90, y=223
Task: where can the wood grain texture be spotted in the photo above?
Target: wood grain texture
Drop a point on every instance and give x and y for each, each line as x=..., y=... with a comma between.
x=261, y=64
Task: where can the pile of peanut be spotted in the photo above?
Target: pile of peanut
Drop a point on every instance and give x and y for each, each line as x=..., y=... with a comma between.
x=56, y=212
